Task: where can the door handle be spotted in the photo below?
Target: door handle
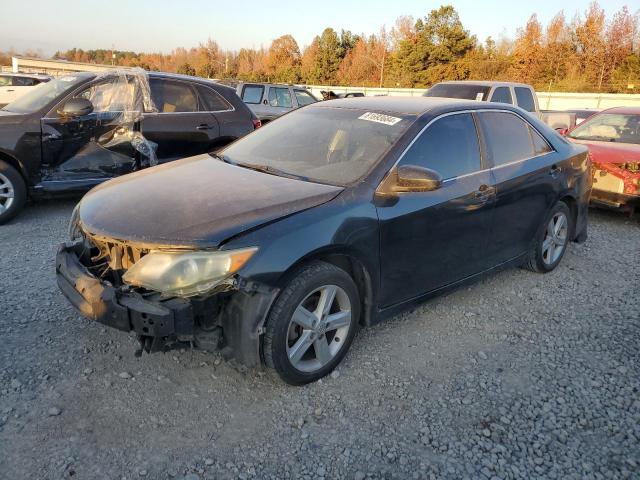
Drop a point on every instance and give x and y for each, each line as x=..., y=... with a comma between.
x=204, y=126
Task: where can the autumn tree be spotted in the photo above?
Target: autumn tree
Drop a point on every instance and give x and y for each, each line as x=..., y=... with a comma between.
x=283, y=60
x=527, y=53
x=428, y=55
x=364, y=64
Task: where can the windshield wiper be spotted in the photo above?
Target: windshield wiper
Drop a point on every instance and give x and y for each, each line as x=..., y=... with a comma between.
x=272, y=171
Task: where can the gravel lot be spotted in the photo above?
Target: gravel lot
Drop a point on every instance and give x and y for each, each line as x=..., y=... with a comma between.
x=518, y=376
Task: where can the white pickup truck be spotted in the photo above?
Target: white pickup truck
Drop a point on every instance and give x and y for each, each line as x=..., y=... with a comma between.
x=14, y=85
x=520, y=94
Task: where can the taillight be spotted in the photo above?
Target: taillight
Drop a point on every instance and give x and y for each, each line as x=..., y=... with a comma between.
x=256, y=123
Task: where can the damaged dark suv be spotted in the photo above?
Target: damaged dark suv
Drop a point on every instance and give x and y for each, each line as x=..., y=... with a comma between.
x=81, y=129
x=335, y=216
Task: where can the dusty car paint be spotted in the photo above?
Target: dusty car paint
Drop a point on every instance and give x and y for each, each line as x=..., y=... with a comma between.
x=399, y=250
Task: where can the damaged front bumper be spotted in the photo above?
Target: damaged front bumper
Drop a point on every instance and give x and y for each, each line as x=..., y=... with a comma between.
x=231, y=322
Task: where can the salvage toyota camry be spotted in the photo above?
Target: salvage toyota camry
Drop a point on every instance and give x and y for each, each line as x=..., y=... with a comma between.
x=279, y=247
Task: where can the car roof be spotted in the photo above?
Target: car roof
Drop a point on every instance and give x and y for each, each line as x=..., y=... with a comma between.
x=189, y=78
x=623, y=110
x=28, y=75
x=407, y=105
x=485, y=83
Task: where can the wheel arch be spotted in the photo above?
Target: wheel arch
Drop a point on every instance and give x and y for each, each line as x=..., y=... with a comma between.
x=347, y=260
x=15, y=163
x=571, y=202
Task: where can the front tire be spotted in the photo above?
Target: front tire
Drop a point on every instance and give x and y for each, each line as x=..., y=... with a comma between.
x=551, y=243
x=312, y=324
x=13, y=192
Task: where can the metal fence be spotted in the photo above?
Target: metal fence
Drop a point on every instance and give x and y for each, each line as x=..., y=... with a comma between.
x=546, y=100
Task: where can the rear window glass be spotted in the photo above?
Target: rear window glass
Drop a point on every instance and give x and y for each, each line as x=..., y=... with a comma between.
x=459, y=90
x=507, y=137
x=501, y=95
x=525, y=99
x=252, y=93
x=449, y=146
x=211, y=100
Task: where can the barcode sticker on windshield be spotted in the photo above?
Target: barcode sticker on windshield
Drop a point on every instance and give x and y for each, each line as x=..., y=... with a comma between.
x=379, y=118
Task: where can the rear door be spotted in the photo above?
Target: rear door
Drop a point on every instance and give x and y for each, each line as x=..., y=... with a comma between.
x=94, y=146
x=231, y=122
x=181, y=127
x=253, y=95
x=432, y=239
x=280, y=101
x=525, y=178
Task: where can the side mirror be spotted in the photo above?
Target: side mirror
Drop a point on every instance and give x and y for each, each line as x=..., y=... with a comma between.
x=409, y=178
x=265, y=102
x=562, y=131
x=76, y=107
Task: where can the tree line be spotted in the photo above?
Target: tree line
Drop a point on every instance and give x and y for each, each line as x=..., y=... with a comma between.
x=588, y=53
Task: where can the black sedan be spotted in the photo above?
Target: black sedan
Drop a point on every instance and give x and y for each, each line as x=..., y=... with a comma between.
x=81, y=129
x=335, y=216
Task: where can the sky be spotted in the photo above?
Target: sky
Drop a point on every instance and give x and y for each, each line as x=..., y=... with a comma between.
x=162, y=25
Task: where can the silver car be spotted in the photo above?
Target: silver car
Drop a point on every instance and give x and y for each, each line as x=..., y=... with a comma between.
x=270, y=100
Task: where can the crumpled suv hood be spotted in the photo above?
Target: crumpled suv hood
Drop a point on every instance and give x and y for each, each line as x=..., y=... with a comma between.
x=196, y=202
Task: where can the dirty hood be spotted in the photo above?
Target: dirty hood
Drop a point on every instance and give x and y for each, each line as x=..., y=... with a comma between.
x=195, y=202
x=611, y=152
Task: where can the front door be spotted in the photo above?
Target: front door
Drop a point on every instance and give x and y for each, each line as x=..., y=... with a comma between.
x=432, y=239
x=97, y=146
x=180, y=128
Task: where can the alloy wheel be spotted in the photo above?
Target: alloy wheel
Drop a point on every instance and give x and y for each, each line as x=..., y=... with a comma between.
x=6, y=193
x=318, y=328
x=555, y=238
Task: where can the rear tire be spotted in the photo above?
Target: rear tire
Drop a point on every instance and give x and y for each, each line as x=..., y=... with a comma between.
x=311, y=324
x=551, y=243
x=13, y=192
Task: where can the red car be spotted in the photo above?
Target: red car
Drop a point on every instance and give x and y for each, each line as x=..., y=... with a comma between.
x=613, y=138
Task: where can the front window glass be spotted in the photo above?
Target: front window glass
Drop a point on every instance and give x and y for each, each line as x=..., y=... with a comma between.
x=280, y=97
x=449, y=146
x=459, y=90
x=43, y=94
x=609, y=127
x=304, y=98
x=110, y=96
x=328, y=145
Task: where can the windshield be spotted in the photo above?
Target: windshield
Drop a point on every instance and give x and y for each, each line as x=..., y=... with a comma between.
x=327, y=145
x=458, y=90
x=609, y=127
x=40, y=96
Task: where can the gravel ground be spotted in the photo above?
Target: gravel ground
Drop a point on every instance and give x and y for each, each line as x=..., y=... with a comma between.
x=519, y=376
